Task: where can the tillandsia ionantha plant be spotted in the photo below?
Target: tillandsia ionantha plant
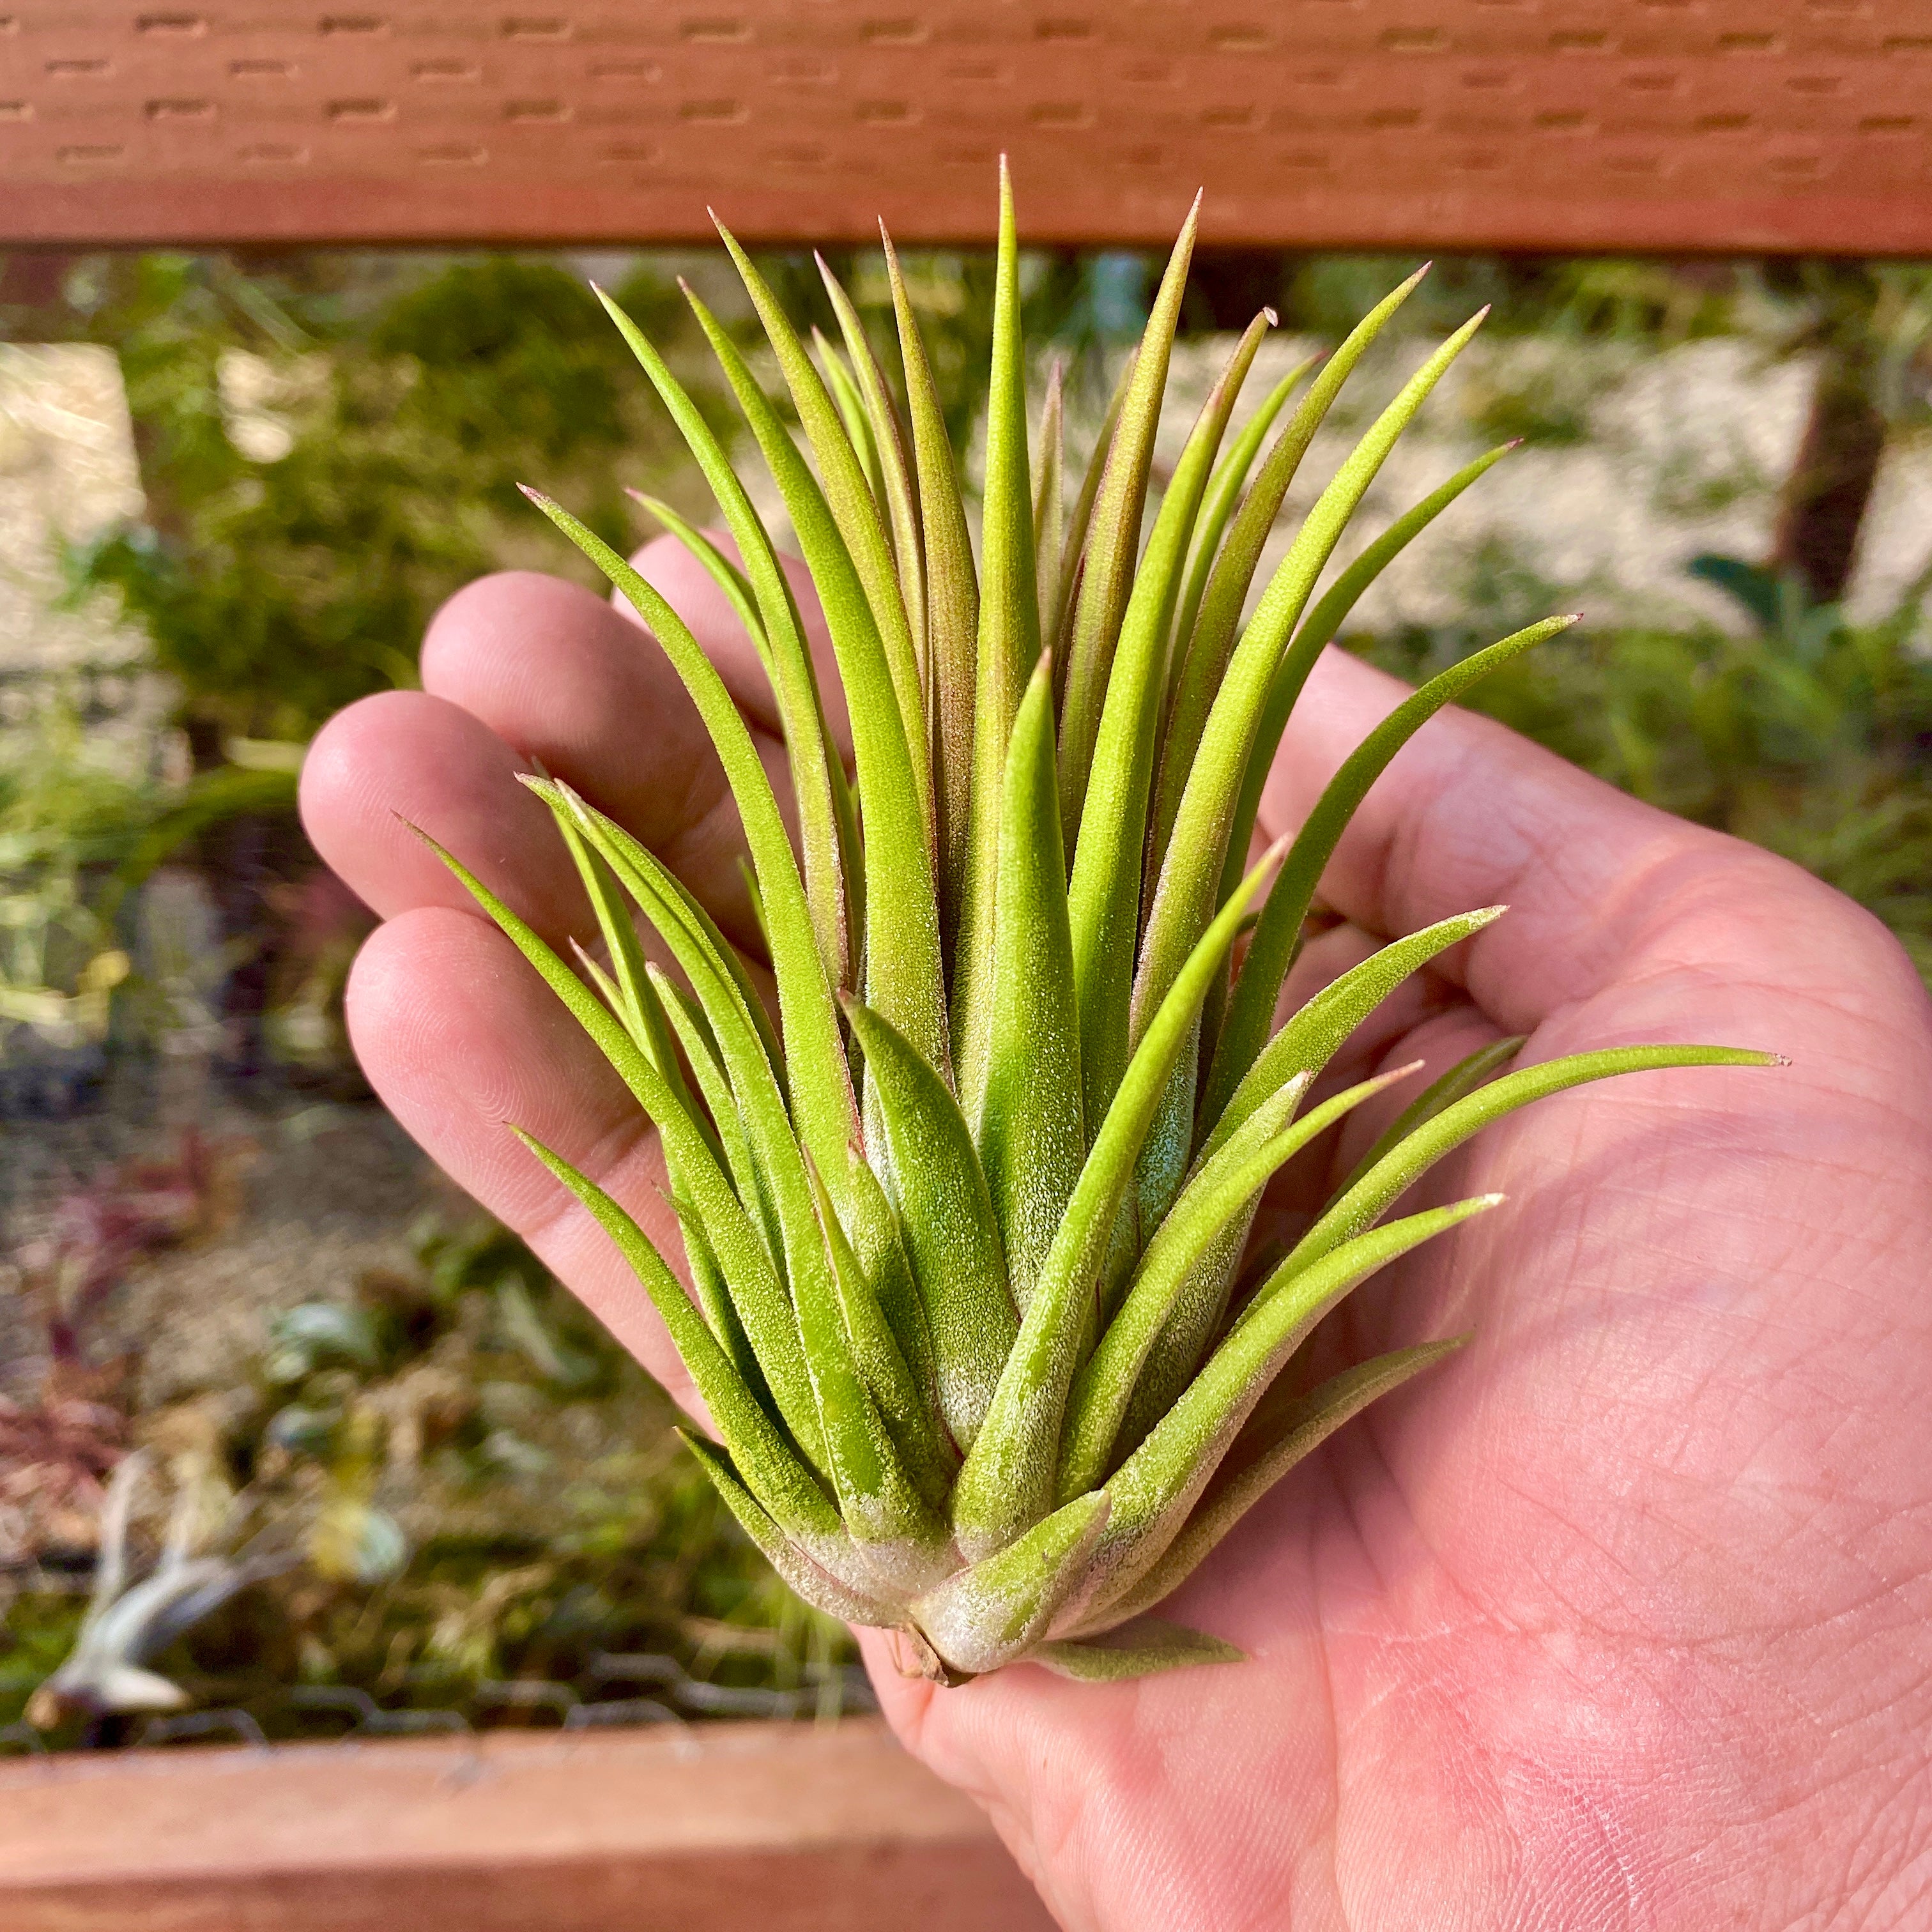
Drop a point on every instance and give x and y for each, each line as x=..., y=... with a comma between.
x=965, y=1225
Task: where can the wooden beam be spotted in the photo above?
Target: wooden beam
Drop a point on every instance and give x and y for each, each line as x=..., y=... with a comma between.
x=722, y=1828
x=1682, y=125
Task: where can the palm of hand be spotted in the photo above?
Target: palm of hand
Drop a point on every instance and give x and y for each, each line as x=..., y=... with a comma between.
x=1612, y=1620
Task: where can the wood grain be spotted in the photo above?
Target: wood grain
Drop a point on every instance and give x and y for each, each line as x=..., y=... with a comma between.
x=724, y=1828
x=1758, y=125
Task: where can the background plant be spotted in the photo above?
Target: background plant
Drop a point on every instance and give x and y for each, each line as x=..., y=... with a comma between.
x=1816, y=746
x=489, y=1520
x=326, y=456
x=1810, y=735
x=325, y=462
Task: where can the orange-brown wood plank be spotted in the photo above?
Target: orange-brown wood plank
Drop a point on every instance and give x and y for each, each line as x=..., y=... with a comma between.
x=736, y=1828
x=1570, y=124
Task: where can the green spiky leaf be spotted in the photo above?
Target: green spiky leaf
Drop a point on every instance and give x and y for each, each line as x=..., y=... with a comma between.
x=946, y=1210
x=1031, y=1136
x=1140, y=1648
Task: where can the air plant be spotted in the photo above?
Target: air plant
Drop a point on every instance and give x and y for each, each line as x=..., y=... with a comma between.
x=964, y=1225
x=128, y=1624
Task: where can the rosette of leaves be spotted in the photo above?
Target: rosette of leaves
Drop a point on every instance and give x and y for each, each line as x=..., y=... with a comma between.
x=964, y=1221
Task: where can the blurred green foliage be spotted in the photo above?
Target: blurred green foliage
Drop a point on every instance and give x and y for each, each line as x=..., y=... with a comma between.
x=328, y=454
x=1811, y=736
x=328, y=447
x=66, y=819
x=79, y=833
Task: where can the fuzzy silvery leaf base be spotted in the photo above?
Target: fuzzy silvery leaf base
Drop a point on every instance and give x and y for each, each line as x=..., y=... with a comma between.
x=965, y=1222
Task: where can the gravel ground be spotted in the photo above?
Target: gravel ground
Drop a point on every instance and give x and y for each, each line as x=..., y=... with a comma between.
x=317, y=1191
x=1680, y=451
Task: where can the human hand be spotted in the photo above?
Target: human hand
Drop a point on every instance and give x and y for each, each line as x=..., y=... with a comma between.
x=1617, y=1618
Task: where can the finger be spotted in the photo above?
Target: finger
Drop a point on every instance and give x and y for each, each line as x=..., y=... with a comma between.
x=560, y=677
x=461, y=1040
x=685, y=584
x=406, y=758
x=1468, y=814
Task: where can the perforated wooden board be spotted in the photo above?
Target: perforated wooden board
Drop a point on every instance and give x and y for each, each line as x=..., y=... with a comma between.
x=1574, y=124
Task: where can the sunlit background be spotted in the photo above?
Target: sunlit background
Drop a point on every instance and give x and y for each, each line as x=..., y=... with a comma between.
x=233, y=492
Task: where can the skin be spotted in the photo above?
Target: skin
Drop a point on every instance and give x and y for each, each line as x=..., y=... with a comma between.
x=1618, y=1618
